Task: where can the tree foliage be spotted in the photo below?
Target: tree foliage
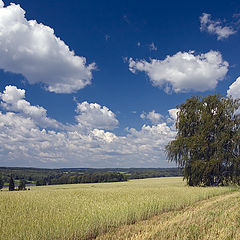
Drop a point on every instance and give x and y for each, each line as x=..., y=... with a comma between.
x=82, y=178
x=22, y=185
x=207, y=144
x=11, y=184
x=1, y=182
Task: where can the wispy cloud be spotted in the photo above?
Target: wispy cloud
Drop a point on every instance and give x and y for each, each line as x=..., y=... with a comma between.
x=215, y=27
x=152, y=47
x=126, y=19
x=107, y=37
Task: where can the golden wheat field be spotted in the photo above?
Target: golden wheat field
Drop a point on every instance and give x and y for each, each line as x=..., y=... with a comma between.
x=217, y=218
x=109, y=210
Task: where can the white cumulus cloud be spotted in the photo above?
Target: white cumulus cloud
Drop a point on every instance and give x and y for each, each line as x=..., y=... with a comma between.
x=184, y=71
x=33, y=50
x=234, y=89
x=153, y=116
x=215, y=27
x=13, y=100
x=102, y=135
x=94, y=115
x=1, y=4
x=172, y=118
x=25, y=142
x=173, y=113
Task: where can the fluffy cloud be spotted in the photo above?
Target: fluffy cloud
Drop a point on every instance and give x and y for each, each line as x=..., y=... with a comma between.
x=92, y=115
x=13, y=100
x=184, y=71
x=173, y=113
x=172, y=118
x=215, y=27
x=234, y=89
x=24, y=142
x=32, y=49
x=101, y=135
x=158, y=119
x=154, y=117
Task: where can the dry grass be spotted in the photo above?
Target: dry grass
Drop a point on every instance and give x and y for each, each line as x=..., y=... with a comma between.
x=84, y=211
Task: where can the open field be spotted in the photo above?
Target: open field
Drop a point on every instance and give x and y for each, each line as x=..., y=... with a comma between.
x=215, y=218
x=84, y=211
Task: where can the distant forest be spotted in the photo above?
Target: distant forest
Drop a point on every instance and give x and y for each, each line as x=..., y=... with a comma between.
x=41, y=176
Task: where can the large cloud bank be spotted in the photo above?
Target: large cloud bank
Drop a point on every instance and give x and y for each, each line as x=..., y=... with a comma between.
x=184, y=71
x=215, y=27
x=32, y=49
x=29, y=138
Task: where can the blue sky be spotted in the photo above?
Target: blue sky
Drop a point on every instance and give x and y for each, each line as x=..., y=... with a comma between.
x=112, y=102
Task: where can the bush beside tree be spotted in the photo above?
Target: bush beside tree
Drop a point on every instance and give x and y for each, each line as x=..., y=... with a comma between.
x=22, y=185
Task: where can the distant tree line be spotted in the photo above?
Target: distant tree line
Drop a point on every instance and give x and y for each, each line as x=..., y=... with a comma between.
x=83, y=178
x=38, y=176
x=107, y=176
x=29, y=175
x=140, y=174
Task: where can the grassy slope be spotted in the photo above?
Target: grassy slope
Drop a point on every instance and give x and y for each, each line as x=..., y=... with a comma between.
x=215, y=218
x=83, y=211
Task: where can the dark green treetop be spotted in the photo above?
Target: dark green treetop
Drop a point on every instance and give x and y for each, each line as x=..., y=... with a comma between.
x=11, y=184
x=207, y=144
